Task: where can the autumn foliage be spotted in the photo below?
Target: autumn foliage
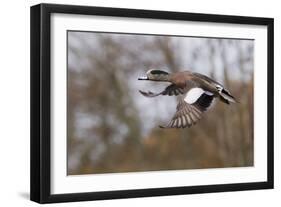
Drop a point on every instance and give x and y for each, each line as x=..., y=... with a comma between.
x=111, y=127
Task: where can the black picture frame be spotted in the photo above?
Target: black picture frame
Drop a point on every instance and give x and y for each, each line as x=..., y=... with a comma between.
x=41, y=98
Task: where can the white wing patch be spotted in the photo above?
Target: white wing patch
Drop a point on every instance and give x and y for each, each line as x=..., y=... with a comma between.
x=194, y=94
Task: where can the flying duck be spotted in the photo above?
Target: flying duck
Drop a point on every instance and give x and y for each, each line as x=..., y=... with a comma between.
x=196, y=93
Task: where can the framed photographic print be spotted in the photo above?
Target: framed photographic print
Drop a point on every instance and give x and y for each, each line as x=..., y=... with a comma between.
x=132, y=103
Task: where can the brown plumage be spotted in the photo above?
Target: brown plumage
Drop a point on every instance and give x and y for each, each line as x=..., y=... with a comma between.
x=196, y=93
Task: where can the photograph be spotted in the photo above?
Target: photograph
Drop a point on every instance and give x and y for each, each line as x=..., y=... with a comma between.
x=147, y=102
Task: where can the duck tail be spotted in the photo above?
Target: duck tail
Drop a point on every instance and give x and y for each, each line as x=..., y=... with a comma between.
x=226, y=97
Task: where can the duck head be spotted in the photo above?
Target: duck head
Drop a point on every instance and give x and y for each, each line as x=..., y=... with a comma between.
x=155, y=75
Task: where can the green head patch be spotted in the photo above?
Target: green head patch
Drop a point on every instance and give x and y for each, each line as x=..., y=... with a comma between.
x=158, y=72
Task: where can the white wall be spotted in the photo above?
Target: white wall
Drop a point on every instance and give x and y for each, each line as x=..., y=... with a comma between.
x=14, y=109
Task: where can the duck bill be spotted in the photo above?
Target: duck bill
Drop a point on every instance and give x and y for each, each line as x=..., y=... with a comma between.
x=143, y=78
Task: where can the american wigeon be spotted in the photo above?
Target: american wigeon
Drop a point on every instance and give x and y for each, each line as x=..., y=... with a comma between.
x=197, y=92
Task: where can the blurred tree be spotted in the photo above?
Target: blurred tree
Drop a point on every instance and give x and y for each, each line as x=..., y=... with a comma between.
x=111, y=129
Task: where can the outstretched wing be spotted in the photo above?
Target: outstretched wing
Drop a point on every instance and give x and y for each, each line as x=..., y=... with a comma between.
x=171, y=90
x=190, y=108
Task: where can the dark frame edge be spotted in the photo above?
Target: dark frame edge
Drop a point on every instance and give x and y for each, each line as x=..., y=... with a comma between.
x=39, y=104
x=35, y=25
x=153, y=192
x=270, y=102
x=156, y=14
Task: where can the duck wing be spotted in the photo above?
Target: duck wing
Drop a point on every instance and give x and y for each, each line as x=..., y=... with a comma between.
x=171, y=90
x=206, y=78
x=190, y=108
x=225, y=95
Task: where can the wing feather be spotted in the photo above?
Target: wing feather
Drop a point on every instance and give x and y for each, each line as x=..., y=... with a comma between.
x=171, y=90
x=190, y=110
x=186, y=116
